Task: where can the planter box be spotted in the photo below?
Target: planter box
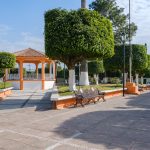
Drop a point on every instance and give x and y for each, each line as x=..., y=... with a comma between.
x=67, y=101
x=5, y=92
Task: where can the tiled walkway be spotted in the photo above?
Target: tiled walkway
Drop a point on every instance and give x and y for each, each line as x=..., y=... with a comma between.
x=27, y=123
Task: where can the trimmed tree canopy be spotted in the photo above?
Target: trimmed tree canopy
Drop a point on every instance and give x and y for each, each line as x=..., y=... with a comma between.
x=72, y=36
x=7, y=60
x=139, y=59
x=146, y=72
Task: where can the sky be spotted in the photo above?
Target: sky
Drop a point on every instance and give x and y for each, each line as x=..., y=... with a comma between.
x=22, y=21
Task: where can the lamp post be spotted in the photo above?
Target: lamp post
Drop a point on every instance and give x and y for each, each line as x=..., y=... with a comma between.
x=64, y=73
x=124, y=53
x=130, y=56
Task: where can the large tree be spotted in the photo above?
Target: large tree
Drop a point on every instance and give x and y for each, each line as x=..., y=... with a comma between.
x=110, y=10
x=139, y=59
x=76, y=35
x=146, y=72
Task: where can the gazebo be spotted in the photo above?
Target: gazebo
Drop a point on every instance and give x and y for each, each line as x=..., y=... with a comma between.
x=36, y=80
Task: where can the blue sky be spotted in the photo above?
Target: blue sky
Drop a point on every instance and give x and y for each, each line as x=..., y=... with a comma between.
x=22, y=21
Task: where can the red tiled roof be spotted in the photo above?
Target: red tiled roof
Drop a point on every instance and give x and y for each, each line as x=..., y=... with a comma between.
x=29, y=53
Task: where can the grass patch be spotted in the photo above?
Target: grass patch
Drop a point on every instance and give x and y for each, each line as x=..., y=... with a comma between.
x=64, y=90
x=5, y=85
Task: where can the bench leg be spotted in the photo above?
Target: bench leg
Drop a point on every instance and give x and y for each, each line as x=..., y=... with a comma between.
x=104, y=100
x=79, y=101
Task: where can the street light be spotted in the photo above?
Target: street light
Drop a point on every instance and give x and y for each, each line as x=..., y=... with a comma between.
x=130, y=56
x=124, y=53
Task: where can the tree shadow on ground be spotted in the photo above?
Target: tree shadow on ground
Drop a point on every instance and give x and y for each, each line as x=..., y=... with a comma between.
x=114, y=129
x=141, y=101
x=45, y=103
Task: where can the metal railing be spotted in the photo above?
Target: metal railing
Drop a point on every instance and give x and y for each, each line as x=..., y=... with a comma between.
x=30, y=76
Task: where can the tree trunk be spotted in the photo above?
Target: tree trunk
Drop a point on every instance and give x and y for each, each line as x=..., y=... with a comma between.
x=72, y=85
x=105, y=80
x=142, y=80
x=137, y=79
x=84, y=78
x=96, y=78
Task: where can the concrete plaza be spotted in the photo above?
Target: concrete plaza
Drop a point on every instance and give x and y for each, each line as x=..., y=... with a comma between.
x=27, y=123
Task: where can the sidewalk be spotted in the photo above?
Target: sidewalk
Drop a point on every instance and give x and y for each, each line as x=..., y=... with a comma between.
x=118, y=124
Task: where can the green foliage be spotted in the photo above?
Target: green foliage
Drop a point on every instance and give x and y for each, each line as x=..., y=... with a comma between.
x=139, y=59
x=72, y=36
x=96, y=67
x=60, y=73
x=1, y=73
x=112, y=73
x=147, y=70
x=7, y=60
x=110, y=10
x=4, y=85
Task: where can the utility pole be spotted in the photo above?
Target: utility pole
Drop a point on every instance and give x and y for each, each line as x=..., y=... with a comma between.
x=83, y=3
x=124, y=53
x=130, y=45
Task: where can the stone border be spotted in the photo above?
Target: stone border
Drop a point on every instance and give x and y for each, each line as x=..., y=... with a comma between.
x=5, y=92
x=67, y=101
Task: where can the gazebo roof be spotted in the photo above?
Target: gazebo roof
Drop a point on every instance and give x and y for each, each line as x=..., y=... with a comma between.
x=29, y=53
x=31, y=56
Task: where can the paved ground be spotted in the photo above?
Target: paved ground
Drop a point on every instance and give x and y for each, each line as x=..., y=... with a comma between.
x=26, y=123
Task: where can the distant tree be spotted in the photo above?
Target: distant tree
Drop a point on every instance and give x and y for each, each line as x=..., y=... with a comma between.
x=95, y=68
x=146, y=72
x=73, y=36
x=110, y=10
x=7, y=60
x=139, y=59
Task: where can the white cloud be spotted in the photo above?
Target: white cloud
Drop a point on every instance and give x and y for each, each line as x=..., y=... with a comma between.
x=140, y=10
x=24, y=40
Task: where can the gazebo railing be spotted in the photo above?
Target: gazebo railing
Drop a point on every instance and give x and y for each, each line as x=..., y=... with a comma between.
x=30, y=76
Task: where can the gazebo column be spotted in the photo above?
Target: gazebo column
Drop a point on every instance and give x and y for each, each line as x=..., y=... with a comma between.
x=43, y=75
x=50, y=71
x=37, y=64
x=21, y=74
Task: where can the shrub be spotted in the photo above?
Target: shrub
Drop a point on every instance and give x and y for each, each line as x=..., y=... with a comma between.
x=7, y=60
x=114, y=80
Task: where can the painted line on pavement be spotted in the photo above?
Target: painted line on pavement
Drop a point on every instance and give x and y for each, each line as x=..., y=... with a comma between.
x=29, y=135
x=63, y=141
